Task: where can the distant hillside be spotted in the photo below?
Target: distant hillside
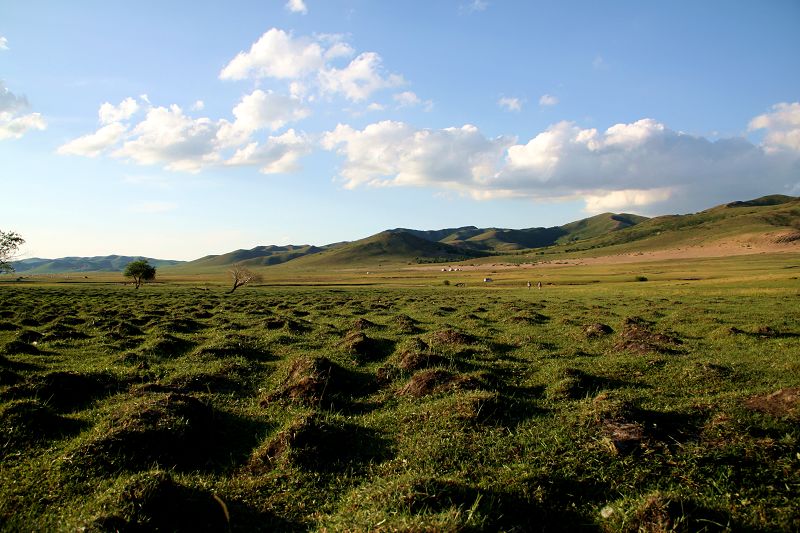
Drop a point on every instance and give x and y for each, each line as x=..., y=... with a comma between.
x=607, y=233
x=106, y=263
x=258, y=256
x=505, y=240
x=765, y=215
x=388, y=246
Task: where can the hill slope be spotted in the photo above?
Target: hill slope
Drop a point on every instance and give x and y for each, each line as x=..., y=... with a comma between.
x=105, y=263
x=388, y=246
x=770, y=217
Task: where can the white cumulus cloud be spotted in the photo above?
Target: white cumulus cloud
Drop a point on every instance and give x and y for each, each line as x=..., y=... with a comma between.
x=278, y=155
x=3, y=43
x=510, y=104
x=782, y=127
x=548, y=100
x=110, y=113
x=313, y=62
x=93, y=144
x=640, y=165
x=297, y=6
x=276, y=54
x=169, y=137
x=394, y=153
x=359, y=79
x=14, y=123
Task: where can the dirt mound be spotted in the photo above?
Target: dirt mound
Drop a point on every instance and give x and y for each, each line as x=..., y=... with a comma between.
x=622, y=436
x=364, y=348
x=592, y=331
x=405, y=324
x=413, y=360
x=313, y=381
x=781, y=403
x=233, y=345
x=166, y=345
x=154, y=501
x=152, y=428
x=660, y=512
x=528, y=318
x=26, y=422
x=638, y=336
x=362, y=323
x=288, y=324
x=19, y=347
x=68, y=391
x=61, y=331
x=786, y=238
x=319, y=444
x=431, y=381
x=448, y=337
x=29, y=336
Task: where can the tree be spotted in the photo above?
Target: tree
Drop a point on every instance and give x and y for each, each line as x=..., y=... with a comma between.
x=242, y=276
x=140, y=270
x=9, y=244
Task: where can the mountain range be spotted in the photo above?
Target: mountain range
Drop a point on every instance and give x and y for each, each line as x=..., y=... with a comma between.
x=613, y=232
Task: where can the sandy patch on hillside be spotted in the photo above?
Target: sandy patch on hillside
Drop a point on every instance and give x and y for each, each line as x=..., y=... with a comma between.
x=761, y=243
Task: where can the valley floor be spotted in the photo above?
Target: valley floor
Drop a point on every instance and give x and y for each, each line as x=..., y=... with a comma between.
x=596, y=403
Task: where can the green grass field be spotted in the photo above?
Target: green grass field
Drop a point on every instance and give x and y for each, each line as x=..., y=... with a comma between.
x=389, y=401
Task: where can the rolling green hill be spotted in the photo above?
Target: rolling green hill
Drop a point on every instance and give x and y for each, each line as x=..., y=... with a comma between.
x=106, y=263
x=258, y=256
x=388, y=246
x=758, y=217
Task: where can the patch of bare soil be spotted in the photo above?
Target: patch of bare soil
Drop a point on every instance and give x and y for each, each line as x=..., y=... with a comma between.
x=781, y=403
x=426, y=382
x=315, y=443
x=593, y=331
x=312, y=380
x=638, y=336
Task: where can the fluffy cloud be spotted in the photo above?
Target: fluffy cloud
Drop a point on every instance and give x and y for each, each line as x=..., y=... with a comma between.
x=394, y=153
x=276, y=54
x=510, y=104
x=262, y=109
x=297, y=6
x=278, y=155
x=782, y=127
x=167, y=136
x=312, y=61
x=94, y=144
x=13, y=123
x=109, y=113
x=639, y=165
x=359, y=79
x=548, y=100
x=3, y=43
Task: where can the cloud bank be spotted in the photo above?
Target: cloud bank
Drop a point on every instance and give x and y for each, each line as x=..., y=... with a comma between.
x=643, y=165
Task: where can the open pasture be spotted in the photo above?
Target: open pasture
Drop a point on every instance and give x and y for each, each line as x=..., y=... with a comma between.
x=597, y=403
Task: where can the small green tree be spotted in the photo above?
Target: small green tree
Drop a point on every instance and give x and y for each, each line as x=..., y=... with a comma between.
x=10, y=242
x=140, y=270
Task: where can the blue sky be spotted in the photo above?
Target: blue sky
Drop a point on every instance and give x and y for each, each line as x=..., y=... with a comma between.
x=182, y=130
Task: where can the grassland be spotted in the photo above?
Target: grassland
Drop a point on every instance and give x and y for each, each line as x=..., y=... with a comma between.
x=341, y=400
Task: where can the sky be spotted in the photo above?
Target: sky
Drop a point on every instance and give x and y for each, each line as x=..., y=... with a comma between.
x=180, y=129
